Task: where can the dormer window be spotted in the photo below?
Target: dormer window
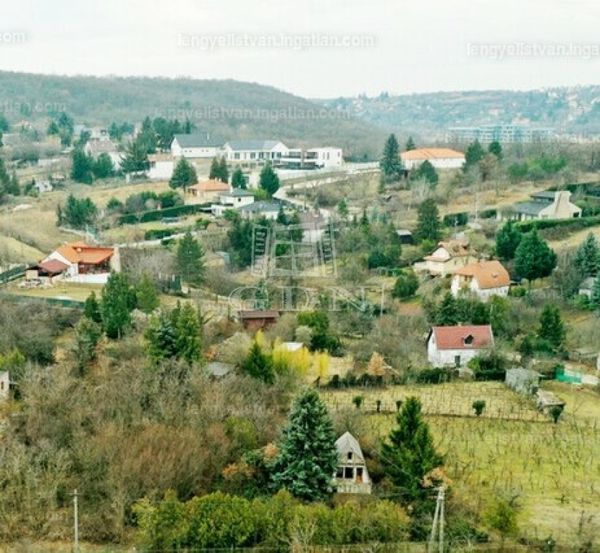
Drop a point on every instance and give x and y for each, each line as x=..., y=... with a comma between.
x=468, y=340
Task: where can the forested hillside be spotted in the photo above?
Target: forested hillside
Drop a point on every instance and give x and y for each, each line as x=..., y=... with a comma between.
x=228, y=108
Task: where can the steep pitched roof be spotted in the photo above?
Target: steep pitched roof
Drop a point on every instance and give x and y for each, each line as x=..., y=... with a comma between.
x=421, y=154
x=489, y=274
x=463, y=337
x=198, y=140
x=210, y=185
x=52, y=266
x=347, y=443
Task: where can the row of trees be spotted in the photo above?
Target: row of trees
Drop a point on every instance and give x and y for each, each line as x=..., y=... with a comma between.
x=84, y=168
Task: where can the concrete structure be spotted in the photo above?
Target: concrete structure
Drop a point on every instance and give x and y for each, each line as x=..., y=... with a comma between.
x=351, y=474
x=161, y=166
x=208, y=190
x=86, y=264
x=235, y=199
x=4, y=385
x=546, y=205
x=314, y=158
x=440, y=158
x=198, y=145
x=447, y=258
x=254, y=151
x=545, y=400
x=484, y=279
x=267, y=208
x=506, y=133
x=524, y=381
x=455, y=346
x=43, y=186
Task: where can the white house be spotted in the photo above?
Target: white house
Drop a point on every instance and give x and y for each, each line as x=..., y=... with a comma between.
x=447, y=258
x=254, y=151
x=234, y=199
x=455, y=346
x=546, y=205
x=265, y=208
x=4, y=385
x=314, y=158
x=198, y=145
x=440, y=158
x=484, y=279
x=86, y=264
x=161, y=166
x=351, y=475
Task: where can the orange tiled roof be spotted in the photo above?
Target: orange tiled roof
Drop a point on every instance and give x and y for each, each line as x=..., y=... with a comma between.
x=210, y=185
x=489, y=274
x=80, y=252
x=463, y=337
x=422, y=154
x=455, y=248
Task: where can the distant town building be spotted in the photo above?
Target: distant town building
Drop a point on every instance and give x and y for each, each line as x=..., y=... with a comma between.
x=351, y=475
x=162, y=166
x=440, y=158
x=314, y=158
x=234, y=199
x=198, y=145
x=254, y=151
x=506, y=133
x=455, y=346
x=546, y=205
x=208, y=190
x=484, y=279
x=446, y=259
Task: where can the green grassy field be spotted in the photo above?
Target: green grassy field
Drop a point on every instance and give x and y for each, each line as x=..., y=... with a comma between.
x=511, y=449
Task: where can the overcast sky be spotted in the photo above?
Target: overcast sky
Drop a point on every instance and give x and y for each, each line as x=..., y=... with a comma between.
x=313, y=48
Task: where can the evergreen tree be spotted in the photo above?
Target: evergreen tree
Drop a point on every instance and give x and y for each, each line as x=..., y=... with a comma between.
x=533, y=258
x=53, y=129
x=188, y=328
x=115, y=305
x=184, y=175
x=495, y=148
x=307, y=457
x=223, y=170
x=410, y=144
x=91, y=309
x=87, y=336
x=409, y=455
x=507, y=241
x=136, y=156
x=259, y=365
x=147, y=296
x=342, y=209
x=428, y=226
x=78, y=213
x=595, y=299
x=587, y=258
x=391, y=163
x=147, y=139
x=406, y=285
x=237, y=179
x=447, y=313
x=551, y=327
x=215, y=169
x=161, y=338
x=269, y=181
x=190, y=260
x=427, y=172
x=13, y=186
x=81, y=168
x=474, y=154
x=103, y=167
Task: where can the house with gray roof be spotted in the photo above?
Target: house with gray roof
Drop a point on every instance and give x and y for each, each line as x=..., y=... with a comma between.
x=254, y=151
x=546, y=205
x=197, y=145
x=264, y=208
x=351, y=475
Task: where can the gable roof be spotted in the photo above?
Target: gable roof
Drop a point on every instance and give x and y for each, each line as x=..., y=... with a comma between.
x=421, y=154
x=348, y=443
x=455, y=248
x=489, y=274
x=210, y=185
x=463, y=337
x=239, y=193
x=198, y=140
x=262, y=206
x=529, y=208
x=253, y=144
x=52, y=266
x=80, y=252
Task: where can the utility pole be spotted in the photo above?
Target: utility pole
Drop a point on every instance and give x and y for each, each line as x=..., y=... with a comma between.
x=437, y=528
x=75, y=522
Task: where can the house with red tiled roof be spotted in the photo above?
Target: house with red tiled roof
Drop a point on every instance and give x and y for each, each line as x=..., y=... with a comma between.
x=447, y=258
x=84, y=263
x=484, y=279
x=455, y=346
x=440, y=158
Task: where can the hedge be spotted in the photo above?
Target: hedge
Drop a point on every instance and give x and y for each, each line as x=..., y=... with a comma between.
x=158, y=214
x=571, y=224
x=456, y=219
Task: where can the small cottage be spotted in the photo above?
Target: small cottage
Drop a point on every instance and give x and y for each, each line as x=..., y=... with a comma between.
x=484, y=279
x=351, y=475
x=447, y=258
x=455, y=346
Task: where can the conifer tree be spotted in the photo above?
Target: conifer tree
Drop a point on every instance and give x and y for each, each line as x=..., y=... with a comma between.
x=495, y=148
x=188, y=329
x=409, y=455
x=136, y=156
x=81, y=168
x=391, y=163
x=474, y=154
x=115, y=305
x=258, y=365
x=307, y=457
x=447, y=313
x=507, y=241
x=161, y=338
x=534, y=258
x=428, y=225
x=427, y=172
x=587, y=258
x=595, y=299
x=147, y=297
x=237, y=179
x=184, y=175
x=215, y=169
x=410, y=144
x=91, y=308
x=190, y=259
x=223, y=170
x=552, y=327
x=269, y=181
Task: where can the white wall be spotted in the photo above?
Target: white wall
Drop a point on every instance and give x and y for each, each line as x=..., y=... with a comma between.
x=473, y=287
x=161, y=170
x=196, y=152
x=4, y=385
x=441, y=163
x=447, y=357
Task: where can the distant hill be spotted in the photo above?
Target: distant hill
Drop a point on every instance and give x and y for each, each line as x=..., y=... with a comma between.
x=566, y=109
x=227, y=108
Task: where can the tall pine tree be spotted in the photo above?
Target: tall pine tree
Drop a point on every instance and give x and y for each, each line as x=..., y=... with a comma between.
x=534, y=258
x=428, y=225
x=115, y=306
x=190, y=259
x=391, y=163
x=587, y=258
x=307, y=457
x=269, y=181
x=507, y=241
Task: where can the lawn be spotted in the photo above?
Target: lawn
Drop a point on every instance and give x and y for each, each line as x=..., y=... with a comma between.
x=511, y=449
x=62, y=290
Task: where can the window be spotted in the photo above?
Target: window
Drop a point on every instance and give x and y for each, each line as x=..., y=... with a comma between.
x=349, y=455
x=348, y=473
x=359, y=474
x=457, y=360
x=339, y=473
